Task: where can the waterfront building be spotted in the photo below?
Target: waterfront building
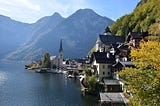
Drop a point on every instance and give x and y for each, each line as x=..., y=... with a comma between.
x=60, y=57
x=102, y=64
x=113, y=85
x=113, y=99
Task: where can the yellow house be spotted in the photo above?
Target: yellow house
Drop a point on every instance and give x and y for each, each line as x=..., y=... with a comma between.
x=102, y=63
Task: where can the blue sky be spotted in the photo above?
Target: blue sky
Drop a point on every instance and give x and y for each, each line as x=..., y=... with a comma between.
x=30, y=11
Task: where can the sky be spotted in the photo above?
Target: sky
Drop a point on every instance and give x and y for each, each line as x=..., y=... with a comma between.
x=29, y=11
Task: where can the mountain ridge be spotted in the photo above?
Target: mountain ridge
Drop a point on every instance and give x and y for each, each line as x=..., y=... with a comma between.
x=75, y=31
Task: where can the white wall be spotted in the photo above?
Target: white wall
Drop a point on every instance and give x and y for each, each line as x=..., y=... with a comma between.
x=103, y=68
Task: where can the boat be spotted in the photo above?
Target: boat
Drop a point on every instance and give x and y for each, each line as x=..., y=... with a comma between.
x=70, y=76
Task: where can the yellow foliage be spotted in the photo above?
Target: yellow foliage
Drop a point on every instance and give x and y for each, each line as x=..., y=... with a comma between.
x=144, y=80
x=147, y=56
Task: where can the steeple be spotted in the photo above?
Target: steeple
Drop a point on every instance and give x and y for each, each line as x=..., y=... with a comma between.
x=60, y=56
x=60, y=48
x=107, y=31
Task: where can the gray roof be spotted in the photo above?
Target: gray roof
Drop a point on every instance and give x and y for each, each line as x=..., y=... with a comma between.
x=127, y=63
x=113, y=98
x=111, y=82
x=111, y=39
x=135, y=35
x=101, y=57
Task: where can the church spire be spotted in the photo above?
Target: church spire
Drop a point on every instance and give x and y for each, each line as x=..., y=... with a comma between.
x=107, y=31
x=61, y=49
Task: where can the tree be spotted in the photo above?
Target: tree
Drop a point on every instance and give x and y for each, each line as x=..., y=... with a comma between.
x=93, y=84
x=144, y=80
x=46, y=63
x=146, y=16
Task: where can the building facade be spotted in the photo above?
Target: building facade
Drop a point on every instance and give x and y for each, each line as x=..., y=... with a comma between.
x=60, y=57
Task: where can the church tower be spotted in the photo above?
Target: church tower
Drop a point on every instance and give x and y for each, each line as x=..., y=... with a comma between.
x=98, y=44
x=107, y=31
x=60, y=56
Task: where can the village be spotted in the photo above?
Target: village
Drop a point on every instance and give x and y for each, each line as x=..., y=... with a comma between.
x=109, y=55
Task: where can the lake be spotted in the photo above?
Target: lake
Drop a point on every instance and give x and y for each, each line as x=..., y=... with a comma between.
x=20, y=87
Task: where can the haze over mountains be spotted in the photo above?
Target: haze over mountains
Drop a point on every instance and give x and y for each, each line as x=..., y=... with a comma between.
x=21, y=41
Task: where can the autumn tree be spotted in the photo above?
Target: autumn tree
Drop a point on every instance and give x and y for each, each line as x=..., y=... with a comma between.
x=46, y=63
x=144, y=80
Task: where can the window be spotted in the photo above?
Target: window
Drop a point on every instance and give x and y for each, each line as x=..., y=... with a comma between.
x=103, y=66
x=108, y=73
x=103, y=73
x=109, y=66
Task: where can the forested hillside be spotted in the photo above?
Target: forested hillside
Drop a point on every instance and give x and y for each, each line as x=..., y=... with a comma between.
x=146, y=17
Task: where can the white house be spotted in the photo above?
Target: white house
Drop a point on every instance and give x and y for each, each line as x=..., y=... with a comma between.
x=107, y=41
x=102, y=64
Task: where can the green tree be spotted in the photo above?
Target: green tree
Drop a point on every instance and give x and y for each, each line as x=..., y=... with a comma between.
x=88, y=71
x=144, y=80
x=146, y=16
x=92, y=83
x=46, y=63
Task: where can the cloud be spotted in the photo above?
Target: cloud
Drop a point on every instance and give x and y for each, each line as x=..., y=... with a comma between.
x=32, y=10
x=4, y=10
x=20, y=10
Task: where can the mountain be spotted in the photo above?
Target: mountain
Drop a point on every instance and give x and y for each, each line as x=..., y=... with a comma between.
x=12, y=34
x=146, y=17
x=78, y=32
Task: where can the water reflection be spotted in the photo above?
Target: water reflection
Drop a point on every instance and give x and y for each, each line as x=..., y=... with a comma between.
x=19, y=87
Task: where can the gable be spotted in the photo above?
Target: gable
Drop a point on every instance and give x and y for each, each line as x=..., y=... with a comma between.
x=109, y=39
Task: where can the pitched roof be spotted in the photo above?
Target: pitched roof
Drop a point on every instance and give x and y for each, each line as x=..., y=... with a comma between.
x=127, y=63
x=113, y=98
x=111, y=39
x=111, y=82
x=124, y=64
x=135, y=35
x=101, y=57
x=107, y=30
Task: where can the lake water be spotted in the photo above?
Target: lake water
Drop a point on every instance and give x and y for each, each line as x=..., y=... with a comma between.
x=19, y=87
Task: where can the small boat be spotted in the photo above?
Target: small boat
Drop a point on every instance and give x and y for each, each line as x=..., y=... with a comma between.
x=70, y=76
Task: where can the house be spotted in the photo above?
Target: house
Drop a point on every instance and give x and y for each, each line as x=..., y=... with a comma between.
x=102, y=64
x=122, y=52
x=113, y=99
x=53, y=60
x=134, y=38
x=121, y=65
x=113, y=85
x=108, y=42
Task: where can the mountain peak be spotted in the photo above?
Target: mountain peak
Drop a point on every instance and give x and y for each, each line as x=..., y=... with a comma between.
x=2, y=17
x=85, y=11
x=56, y=14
